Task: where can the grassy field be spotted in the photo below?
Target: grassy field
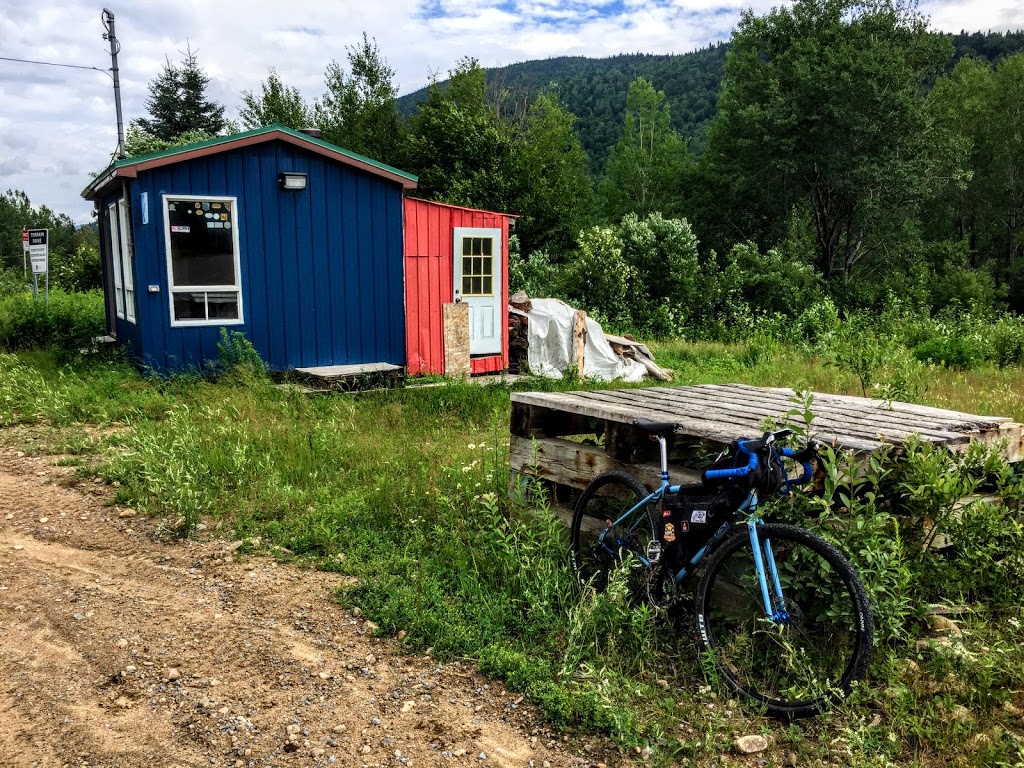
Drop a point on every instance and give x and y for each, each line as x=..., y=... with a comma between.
x=405, y=492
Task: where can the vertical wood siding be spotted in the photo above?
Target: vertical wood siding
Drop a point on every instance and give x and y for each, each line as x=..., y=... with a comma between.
x=321, y=269
x=429, y=273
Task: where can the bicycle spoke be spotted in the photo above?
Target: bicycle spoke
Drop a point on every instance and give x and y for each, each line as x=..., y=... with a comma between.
x=800, y=661
x=604, y=536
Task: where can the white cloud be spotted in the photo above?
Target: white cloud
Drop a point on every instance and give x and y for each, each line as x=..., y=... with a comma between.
x=57, y=125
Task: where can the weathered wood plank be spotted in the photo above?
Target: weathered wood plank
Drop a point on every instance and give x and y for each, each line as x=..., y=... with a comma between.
x=575, y=464
x=835, y=409
x=723, y=429
x=742, y=410
x=882, y=405
x=721, y=413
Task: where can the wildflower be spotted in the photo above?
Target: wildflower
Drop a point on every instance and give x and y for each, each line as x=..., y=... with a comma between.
x=472, y=446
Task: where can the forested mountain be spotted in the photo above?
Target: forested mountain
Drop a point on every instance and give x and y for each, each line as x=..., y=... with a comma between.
x=595, y=89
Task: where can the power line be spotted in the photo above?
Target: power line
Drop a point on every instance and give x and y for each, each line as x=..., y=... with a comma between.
x=54, y=64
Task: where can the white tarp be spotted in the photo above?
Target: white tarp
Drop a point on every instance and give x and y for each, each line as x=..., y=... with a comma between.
x=550, y=350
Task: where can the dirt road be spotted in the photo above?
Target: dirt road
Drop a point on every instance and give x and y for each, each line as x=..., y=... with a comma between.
x=119, y=649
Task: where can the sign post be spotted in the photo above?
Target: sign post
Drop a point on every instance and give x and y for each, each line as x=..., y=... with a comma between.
x=24, y=251
x=39, y=254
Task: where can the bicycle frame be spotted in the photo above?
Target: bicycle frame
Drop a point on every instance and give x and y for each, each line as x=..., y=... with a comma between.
x=764, y=559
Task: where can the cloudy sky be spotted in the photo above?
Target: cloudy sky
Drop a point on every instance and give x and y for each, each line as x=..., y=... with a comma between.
x=57, y=125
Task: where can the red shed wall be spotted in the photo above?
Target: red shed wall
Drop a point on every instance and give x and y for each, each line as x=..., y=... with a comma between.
x=429, y=282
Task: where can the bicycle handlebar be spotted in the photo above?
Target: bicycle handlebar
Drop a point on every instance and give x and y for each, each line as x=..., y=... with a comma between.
x=752, y=465
x=753, y=462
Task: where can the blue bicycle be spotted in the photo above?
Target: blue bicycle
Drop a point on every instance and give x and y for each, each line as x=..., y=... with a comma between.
x=779, y=609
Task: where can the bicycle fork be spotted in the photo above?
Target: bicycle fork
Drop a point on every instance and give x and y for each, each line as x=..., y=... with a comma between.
x=767, y=570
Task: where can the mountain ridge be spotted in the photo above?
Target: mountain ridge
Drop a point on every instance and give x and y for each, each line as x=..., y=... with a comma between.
x=594, y=89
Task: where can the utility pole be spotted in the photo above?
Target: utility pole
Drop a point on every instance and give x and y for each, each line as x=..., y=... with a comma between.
x=108, y=23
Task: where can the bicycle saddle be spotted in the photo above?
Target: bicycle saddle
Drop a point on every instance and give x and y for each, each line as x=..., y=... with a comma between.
x=655, y=427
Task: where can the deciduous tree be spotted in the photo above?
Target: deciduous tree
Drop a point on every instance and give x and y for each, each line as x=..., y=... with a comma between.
x=276, y=103
x=461, y=151
x=646, y=165
x=555, y=193
x=822, y=103
x=358, y=110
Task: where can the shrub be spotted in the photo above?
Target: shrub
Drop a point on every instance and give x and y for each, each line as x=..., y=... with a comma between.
x=534, y=274
x=68, y=324
x=769, y=282
x=600, y=279
x=949, y=351
x=664, y=254
x=238, y=356
x=1007, y=335
x=13, y=281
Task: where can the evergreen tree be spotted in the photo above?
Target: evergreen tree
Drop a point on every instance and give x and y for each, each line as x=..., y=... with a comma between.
x=178, y=103
x=277, y=103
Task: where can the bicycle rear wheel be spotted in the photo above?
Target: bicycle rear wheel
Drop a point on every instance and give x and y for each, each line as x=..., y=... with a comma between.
x=597, y=549
x=819, y=643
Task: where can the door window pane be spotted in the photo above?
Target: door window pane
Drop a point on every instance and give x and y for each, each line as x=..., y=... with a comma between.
x=478, y=266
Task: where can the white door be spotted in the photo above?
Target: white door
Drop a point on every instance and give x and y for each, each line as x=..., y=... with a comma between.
x=478, y=283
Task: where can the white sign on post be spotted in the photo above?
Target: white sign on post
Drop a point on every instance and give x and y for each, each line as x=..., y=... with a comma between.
x=39, y=250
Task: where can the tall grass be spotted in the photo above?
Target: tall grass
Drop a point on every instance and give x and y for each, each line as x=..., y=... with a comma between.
x=405, y=492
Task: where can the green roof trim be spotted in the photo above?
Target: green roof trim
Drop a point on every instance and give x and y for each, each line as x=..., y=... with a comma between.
x=127, y=162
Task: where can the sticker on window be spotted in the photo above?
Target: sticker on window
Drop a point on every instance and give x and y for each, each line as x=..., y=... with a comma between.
x=699, y=516
x=183, y=230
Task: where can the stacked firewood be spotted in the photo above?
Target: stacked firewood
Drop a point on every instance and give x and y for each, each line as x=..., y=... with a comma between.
x=519, y=306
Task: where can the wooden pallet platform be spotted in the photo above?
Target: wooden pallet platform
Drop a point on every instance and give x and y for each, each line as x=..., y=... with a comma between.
x=714, y=415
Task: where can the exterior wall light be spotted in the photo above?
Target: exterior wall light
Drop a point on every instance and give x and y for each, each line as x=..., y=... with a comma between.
x=292, y=181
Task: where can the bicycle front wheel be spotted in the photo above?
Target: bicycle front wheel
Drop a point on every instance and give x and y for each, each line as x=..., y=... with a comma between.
x=604, y=535
x=817, y=641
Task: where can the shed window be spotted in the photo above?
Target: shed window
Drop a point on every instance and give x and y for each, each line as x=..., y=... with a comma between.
x=203, y=260
x=115, y=254
x=127, y=262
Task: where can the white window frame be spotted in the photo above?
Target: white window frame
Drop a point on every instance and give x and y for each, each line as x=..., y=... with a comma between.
x=171, y=289
x=115, y=253
x=127, y=261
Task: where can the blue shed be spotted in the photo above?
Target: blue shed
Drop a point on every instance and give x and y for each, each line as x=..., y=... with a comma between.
x=291, y=240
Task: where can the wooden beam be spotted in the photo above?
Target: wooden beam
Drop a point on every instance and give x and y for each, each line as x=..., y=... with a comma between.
x=567, y=462
x=579, y=340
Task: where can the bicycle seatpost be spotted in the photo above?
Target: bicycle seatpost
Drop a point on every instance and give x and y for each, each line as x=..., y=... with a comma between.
x=663, y=445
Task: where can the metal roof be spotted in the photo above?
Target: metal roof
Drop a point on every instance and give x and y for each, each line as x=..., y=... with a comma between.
x=130, y=167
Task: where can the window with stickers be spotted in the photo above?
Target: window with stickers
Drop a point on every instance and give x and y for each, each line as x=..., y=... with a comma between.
x=203, y=260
